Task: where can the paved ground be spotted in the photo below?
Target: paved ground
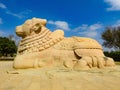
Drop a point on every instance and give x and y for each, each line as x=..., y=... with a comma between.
x=58, y=79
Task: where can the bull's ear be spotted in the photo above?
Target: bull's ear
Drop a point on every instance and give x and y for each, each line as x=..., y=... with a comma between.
x=43, y=22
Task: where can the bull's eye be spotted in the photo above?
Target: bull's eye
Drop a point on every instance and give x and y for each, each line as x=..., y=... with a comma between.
x=37, y=25
x=37, y=28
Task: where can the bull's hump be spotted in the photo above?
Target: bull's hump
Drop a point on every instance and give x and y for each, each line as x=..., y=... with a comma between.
x=73, y=43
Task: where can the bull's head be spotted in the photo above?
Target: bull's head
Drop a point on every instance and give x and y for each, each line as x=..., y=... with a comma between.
x=30, y=26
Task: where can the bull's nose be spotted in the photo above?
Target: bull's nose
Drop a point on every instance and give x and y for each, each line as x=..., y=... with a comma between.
x=19, y=30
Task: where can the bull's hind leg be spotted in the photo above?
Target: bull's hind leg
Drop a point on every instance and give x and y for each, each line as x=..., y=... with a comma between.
x=84, y=63
x=81, y=65
x=109, y=61
x=87, y=62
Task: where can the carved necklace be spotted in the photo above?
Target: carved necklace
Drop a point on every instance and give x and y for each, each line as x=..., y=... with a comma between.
x=38, y=42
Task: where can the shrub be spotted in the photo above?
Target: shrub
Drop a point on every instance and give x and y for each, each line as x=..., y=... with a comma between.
x=113, y=54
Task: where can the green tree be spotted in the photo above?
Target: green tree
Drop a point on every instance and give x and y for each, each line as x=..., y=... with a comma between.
x=111, y=37
x=7, y=46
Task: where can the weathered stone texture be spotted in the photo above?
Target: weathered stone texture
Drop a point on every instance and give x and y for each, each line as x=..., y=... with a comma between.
x=40, y=47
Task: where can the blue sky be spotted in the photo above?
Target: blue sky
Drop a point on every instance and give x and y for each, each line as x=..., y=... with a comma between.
x=85, y=18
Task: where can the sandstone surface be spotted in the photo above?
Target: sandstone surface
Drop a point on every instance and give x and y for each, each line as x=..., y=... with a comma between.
x=41, y=47
x=58, y=78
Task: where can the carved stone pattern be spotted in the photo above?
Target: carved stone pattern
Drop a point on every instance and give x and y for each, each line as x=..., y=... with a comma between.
x=37, y=42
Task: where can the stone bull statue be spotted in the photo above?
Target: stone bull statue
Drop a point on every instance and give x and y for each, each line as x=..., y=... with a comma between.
x=40, y=47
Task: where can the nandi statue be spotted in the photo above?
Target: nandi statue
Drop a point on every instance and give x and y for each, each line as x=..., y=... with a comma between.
x=40, y=47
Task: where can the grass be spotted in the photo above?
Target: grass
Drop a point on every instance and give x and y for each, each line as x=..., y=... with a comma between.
x=117, y=63
x=6, y=58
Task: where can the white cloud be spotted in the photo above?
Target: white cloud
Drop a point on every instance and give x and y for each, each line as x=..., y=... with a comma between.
x=2, y=6
x=14, y=14
x=82, y=27
x=87, y=27
x=115, y=5
x=117, y=23
x=19, y=15
x=60, y=24
x=95, y=26
x=1, y=33
x=1, y=21
x=89, y=33
x=7, y=11
x=92, y=27
x=89, y=30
